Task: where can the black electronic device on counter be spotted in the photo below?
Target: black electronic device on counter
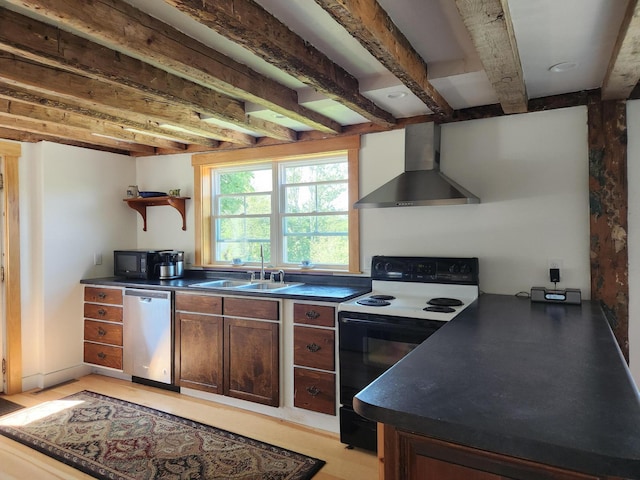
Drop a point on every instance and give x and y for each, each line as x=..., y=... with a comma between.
x=147, y=264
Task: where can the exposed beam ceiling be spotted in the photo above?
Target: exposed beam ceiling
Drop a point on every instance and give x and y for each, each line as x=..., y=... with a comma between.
x=489, y=24
x=624, y=68
x=159, y=77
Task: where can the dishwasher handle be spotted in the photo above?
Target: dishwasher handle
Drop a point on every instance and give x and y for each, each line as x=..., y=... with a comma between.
x=148, y=295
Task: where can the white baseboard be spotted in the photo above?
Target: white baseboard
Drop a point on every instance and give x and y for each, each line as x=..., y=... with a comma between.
x=46, y=380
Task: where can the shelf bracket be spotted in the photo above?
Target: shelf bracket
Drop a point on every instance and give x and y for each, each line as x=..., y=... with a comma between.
x=140, y=205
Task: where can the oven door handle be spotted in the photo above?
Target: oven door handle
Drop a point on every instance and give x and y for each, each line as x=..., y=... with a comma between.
x=384, y=325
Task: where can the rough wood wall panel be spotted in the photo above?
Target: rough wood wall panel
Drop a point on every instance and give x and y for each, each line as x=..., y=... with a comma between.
x=608, y=213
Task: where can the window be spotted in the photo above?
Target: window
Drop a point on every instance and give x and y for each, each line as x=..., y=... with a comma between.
x=292, y=202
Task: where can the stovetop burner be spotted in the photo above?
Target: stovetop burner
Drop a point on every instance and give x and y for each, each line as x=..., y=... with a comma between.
x=444, y=302
x=439, y=308
x=383, y=297
x=373, y=302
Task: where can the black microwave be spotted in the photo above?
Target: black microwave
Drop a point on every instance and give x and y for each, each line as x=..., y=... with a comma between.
x=137, y=263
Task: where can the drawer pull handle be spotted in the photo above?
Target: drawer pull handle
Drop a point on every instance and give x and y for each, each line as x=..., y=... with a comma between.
x=102, y=312
x=101, y=332
x=101, y=356
x=312, y=314
x=313, y=390
x=313, y=347
x=102, y=295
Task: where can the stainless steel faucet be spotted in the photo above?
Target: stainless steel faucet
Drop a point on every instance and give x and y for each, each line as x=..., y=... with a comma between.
x=261, y=263
x=281, y=273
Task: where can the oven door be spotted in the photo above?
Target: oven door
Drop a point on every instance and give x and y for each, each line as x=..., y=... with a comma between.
x=370, y=344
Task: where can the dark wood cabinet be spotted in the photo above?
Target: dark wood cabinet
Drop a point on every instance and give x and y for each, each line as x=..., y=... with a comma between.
x=201, y=340
x=251, y=360
x=220, y=353
x=407, y=456
x=314, y=358
x=103, y=326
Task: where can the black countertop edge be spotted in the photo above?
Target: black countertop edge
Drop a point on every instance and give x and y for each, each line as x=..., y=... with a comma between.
x=541, y=382
x=321, y=288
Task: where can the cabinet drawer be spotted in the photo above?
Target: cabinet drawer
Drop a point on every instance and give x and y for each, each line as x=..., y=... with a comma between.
x=251, y=308
x=315, y=391
x=322, y=315
x=199, y=303
x=103, y=355
x=112, y=296
x=103, y=332
x=103, y=312
x=313, y=347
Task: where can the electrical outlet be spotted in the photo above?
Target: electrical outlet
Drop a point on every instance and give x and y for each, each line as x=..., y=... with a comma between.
x=555, y=263
x=97, y=258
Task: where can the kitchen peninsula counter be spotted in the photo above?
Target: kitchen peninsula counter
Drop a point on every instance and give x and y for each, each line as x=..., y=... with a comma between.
x=535, y=381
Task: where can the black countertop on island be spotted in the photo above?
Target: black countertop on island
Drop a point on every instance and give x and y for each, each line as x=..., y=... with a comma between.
x=543, y=382
x=325, y=288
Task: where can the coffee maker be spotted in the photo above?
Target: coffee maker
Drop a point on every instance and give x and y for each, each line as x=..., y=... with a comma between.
x=171, y=264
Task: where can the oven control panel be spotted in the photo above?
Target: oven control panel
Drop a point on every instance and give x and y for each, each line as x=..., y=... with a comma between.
x=425, y=269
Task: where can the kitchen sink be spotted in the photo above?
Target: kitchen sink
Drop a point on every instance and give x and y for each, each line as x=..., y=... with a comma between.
x=268, y=286
x=221, y=284
x=244, y=285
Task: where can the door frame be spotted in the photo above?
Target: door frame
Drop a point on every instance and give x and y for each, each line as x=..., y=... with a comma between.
x=10, y=153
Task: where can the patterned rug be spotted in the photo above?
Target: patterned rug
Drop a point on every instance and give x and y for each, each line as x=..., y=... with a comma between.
x=112, y=439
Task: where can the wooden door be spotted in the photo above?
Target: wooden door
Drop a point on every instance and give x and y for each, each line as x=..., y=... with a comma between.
x=201, y=340
x=251, y=360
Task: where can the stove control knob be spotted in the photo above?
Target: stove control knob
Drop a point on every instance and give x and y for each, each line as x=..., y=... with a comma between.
x=465, y=268
x=388, y=267
x=455, y=268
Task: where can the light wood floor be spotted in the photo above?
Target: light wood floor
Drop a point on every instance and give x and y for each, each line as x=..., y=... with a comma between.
x=21, y=463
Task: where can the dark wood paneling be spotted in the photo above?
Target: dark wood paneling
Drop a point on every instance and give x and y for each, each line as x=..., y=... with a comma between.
x=251, y=308
x=209, y=304
x=608, y=213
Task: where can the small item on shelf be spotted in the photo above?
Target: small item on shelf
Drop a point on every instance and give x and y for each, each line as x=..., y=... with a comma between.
x=174, y=193
x=132, y=191
x=152, y=194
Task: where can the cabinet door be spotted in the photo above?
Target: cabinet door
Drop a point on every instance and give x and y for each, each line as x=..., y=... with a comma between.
x=200, y=352
x=251, y=360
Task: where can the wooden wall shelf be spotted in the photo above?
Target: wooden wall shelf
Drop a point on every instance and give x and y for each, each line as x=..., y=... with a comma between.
x=140, y=205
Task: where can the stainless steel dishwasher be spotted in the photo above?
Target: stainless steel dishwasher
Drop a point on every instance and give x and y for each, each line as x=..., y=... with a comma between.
x=147, y=335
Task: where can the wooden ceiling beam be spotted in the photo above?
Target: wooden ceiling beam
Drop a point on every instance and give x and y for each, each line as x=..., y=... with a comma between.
x=623, y=72
x=246, y=23
x=70, y=133
x=83, y=122
x=370, y=24
x=70, y=105
x=124, y=28
x=48, y=45
x=111, y=98
x=489, y=24
x=29, y=137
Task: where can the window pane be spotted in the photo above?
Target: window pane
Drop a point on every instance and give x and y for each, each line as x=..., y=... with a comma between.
x=232, y=205
x=316, y=173
x=258, y=204
x=246, y=251
x=245, y=181
x=326, y=250
x=333, y=197
x=236, y=229
x=333, y=224
x=300, y=199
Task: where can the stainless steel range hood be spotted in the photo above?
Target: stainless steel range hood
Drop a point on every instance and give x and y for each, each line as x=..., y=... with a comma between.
x=421, y=183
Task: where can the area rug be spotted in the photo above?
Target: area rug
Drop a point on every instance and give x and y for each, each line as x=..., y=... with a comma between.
x=113, y=439
x=7, y=406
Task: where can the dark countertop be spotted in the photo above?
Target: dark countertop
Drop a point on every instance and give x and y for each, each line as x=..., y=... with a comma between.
x=543, y=382
x=321, y=288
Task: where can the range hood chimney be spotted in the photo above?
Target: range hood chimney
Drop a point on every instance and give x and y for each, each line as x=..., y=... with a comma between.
x=421, y=183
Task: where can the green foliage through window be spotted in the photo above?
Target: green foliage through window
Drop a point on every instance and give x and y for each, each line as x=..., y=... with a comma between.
x=305, y=217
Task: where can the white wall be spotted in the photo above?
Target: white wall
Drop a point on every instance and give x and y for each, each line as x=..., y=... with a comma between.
x=633, y=179
x=70, y=207
x=164, y=224
x=531, y=174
